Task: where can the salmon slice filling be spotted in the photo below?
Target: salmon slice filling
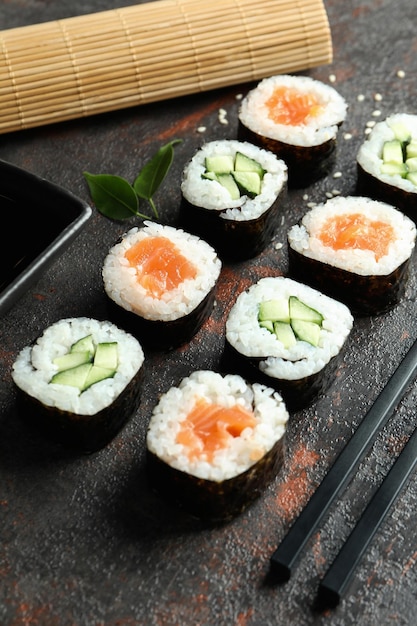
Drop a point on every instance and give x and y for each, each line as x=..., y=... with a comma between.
x=209, y=427
x=291, y=107
x=159, y=265
x=356, y=231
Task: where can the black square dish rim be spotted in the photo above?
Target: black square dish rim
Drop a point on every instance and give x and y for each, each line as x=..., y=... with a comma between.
x=66, y=214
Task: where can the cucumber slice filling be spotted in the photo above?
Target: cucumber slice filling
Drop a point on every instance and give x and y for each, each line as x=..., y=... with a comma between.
x=274, y=310
x=86, y=363
x=84, y=344
x=291, y=320
x=240, y=175
x=229, y=183
x=399, y=155
x=301, y=311
x=249, y=183
x=306, y=331
x=220, y=164
x=284, y=332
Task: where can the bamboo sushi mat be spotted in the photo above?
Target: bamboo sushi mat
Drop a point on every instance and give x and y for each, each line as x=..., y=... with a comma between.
x=154, y=51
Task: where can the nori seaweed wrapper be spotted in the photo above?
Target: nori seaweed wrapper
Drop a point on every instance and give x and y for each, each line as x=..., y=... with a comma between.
x=297, y=394
x=234, y=240
x=211, y=501
x=373, y=187
x=82, y=433
x=364, y=295
x=164, y=335
x=306, y=164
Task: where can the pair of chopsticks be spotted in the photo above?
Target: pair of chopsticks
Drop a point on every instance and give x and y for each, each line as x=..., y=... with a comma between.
x=339, y=574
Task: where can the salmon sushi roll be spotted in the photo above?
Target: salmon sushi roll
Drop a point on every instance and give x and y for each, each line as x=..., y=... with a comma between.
x=387, y=163
x=298, y=119
x=355, y=249
x=80, y=382
x=232, y=195
x=214, y=443
x=288, y=336
x=161, y=282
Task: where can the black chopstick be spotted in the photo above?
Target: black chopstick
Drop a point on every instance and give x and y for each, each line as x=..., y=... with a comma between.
x=287, y=553
x=341, y=571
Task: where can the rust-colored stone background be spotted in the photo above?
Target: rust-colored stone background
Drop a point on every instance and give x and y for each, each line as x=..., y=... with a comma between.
x=83, y=541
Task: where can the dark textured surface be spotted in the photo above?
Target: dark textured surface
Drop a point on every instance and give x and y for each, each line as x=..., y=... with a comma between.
x=84, y=542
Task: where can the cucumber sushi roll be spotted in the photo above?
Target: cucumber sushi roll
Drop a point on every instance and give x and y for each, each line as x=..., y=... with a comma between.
x=297, y=118
x=161, y=282
x=387, y=163
x=288, y=336
x=232, y=193
x=80, y=381
x=214, y=443
x=355, y=249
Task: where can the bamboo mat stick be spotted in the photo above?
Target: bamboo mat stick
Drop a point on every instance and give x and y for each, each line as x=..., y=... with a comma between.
x=49, y=75
x=94, y=78
x=27, y=65
x=154, y=51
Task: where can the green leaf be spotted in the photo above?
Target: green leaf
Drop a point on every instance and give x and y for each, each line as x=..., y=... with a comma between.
x=116, y=198
x=153, y=173
x=113, y=196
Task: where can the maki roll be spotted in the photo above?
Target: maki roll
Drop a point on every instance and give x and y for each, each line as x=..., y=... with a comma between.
x=80, y=381
x=288, y=336
x=356, y=250
x=297, y=118
x=161, y=282
x=232, y=193
x=387, y=163
x=214, y=443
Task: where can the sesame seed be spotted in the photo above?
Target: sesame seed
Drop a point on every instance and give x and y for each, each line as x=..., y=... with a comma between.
x=378, y=97
x=305, y=196
x=201, y=129
x=332, y=78
x=222, y=116
x=337, y=175
x=400, y=73
x=336, y=192
x=278, y=246
x=370, y=124
x=311, y=205
x=361, y=97
x=368, y=131
x=347, y=136
x=239, y=96
x=376, y=113
x=329, y=194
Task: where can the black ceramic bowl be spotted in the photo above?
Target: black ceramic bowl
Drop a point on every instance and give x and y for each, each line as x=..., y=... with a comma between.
x=39, y=220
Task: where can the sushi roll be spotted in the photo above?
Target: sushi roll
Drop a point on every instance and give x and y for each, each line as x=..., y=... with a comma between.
x=161, y=282
x=387, y=163
x=355, y=249
x=214, y=443
x=288, y=336
x=232, y=193
x=297, y=118
x=80, y=382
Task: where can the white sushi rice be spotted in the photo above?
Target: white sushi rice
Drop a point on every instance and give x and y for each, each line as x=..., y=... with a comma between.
x=318, y=129
x=369, y=156
x=304, y=237
x=34, y=367
x=244, y=333
x=122, y=287
x=210, y=194
x=241, y=452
